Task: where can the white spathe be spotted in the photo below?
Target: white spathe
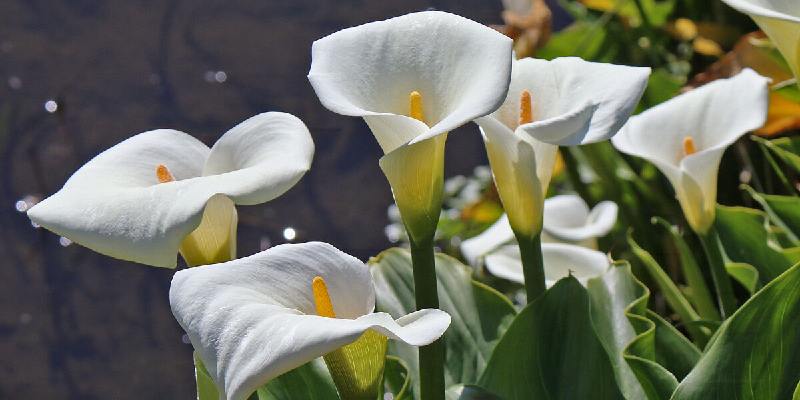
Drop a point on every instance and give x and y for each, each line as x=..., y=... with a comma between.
x=714, y=116
x=458, y=70
x=567, y=219
x=254, y=318
x=560, y=260
x=573, y=102
x=116, y=205
x=460, y=67
x=780, y=20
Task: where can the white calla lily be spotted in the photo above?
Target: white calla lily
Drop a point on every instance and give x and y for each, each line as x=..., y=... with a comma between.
x=160, y=191
x=560, y=260
x=566, y=101
x=686, y=136
x=567, y=219
x=413, y=79
x=254, y=318
x=780, y=20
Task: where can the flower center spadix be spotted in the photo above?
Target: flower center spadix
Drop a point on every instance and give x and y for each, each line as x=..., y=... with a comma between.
x=415, y=106
x=688, y=146
x=322, y=300
x=525, y=108
x=163, y=174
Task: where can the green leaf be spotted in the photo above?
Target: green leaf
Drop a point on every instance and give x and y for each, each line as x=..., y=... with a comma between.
x=699, y=294
x=310, y=381
x=746, y=240
x=551, y=351
x=480, y=315
x=745, y=274
x=619, y=304
x=206, y=389
x=676, y=300
x=756, y=352
x=396, y=379
x=673, y=350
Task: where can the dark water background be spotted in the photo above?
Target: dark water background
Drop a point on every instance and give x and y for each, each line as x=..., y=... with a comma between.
x=78, y=325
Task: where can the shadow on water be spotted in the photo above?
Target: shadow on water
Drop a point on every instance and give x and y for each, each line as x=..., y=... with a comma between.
x=78, y=325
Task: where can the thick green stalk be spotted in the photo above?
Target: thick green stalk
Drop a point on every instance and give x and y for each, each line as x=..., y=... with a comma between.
x=722, y=282
x=530, y=250
x=431, y=357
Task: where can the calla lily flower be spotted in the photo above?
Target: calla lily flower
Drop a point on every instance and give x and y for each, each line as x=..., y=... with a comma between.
x=563, y=102
x=780, y=20
x=567, y=219
x=686, y=136
x=255, y=318
x=163, y=191
x=413, y=79
x=560, y=260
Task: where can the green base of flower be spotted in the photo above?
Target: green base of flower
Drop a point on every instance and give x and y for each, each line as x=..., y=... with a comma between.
x=357, y=369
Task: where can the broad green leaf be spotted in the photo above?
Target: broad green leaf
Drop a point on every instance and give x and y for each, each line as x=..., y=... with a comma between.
x=310, y=381
x=783, y=211
x=745, y=239
x=479, y=313
x=468, y=392
x=581, y=39
x=619, y=303
x=551, y=351
x=676, y=300
x=745, y=274
x=206, y=389
x=396, y=379
x=756, y=352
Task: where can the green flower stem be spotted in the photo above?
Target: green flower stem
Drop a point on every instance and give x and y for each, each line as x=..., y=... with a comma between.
x=530, y=250
x=722, y=282
x=431, y=357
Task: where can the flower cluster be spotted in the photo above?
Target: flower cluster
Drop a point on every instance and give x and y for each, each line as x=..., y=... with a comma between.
x=413, y=79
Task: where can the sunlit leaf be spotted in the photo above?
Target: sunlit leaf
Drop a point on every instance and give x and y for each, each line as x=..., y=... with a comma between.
x=551, y=351
x=756, y=352
x=745, y=239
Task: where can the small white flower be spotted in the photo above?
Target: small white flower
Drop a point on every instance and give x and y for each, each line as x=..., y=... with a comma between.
x=567, y=219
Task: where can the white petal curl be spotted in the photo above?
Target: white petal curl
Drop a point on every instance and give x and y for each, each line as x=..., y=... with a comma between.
x=560, y=261
x=251, y=319
x=573, y=101
x=460, y=67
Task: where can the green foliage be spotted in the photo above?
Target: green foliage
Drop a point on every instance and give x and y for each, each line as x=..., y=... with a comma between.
x=756, y=353
x=551, y=351
x=746, y=239
x=479, y=313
